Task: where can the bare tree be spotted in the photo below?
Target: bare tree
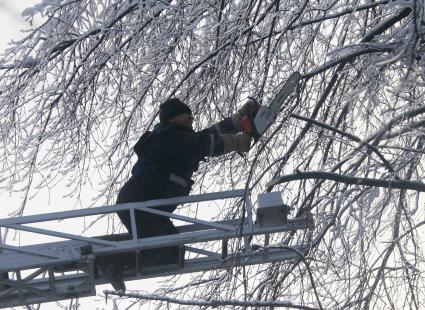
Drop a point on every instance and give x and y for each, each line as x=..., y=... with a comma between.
x=79, y=90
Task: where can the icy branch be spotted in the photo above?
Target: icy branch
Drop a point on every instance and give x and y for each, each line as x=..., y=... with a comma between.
x=210, y=303
x=345, y=134
x=386, y=24
x=368, y=37
x=321, y=175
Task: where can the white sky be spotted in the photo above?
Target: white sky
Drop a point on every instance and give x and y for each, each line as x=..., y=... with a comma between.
x=11, y=21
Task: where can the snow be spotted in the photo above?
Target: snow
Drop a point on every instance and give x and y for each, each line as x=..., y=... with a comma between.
x=38, y=8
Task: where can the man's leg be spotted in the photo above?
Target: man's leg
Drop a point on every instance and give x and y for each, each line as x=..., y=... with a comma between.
x=114, y=265
x=130, y=192
x=149, y=225
x=159, y=226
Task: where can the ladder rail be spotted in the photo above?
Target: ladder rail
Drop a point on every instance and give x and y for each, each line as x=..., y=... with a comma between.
x=27, y=251
x=42, y=257
x=124, y=236
x=191, y=265
x=203, y=236
x=156, y=203
x=59, y=234
x=148, y=206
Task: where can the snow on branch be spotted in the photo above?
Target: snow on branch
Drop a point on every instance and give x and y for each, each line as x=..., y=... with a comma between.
x=322, y=175
x=386, y=24
x=210, y=303
x=345, y=134
x=368, y=37
x=362, y=50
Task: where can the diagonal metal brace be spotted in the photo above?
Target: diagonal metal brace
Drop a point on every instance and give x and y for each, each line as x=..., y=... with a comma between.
x=61, y=235
x=28, y=251
x=188, y=219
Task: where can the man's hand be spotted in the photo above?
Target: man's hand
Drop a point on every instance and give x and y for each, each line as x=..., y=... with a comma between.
x=250, y=108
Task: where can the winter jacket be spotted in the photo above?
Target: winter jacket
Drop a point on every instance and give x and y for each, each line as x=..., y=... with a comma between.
x=169, y=155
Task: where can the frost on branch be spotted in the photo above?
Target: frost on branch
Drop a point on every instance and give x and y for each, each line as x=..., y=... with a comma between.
x=79, y=90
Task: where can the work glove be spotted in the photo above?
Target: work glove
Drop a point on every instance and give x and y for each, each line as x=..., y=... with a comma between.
x=239, y=143
x=249, y=108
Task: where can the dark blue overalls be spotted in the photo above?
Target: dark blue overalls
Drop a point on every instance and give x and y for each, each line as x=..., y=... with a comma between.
x=167, y=158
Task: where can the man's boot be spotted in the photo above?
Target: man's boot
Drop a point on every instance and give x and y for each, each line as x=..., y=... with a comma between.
x=114, y=272
x=116, y=279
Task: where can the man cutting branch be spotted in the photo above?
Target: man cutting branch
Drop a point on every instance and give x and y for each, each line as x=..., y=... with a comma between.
x=167, y=158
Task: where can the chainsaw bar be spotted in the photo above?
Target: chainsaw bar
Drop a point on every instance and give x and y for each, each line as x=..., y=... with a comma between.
x=285, y=92
x=266, y=115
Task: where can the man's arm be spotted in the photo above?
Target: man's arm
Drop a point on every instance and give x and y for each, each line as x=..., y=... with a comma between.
x=205, y=144
x=226, y=126
x=140, y=143
x=211, y=145
x=232, y=125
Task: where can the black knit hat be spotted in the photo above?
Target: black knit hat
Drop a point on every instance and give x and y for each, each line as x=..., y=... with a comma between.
x=172, y=107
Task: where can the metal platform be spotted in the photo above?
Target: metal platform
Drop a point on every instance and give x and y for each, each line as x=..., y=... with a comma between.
x=67, y=269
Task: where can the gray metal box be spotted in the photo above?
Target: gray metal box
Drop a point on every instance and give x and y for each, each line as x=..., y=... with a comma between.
x=271, y=209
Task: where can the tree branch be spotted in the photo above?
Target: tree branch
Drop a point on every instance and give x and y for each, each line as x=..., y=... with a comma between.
x=211, y=303
x=322, y=175
x=386, y=24
x=389, y=22
x=369, y=36
x=347, y=135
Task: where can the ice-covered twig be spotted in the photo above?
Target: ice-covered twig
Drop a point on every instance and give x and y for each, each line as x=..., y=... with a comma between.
x=345, y=134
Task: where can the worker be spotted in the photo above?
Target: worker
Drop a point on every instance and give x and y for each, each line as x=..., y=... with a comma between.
x=167, y=158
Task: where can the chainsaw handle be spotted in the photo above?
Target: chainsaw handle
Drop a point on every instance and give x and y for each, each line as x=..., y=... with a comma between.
x=247, y=121
x=248, y=126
